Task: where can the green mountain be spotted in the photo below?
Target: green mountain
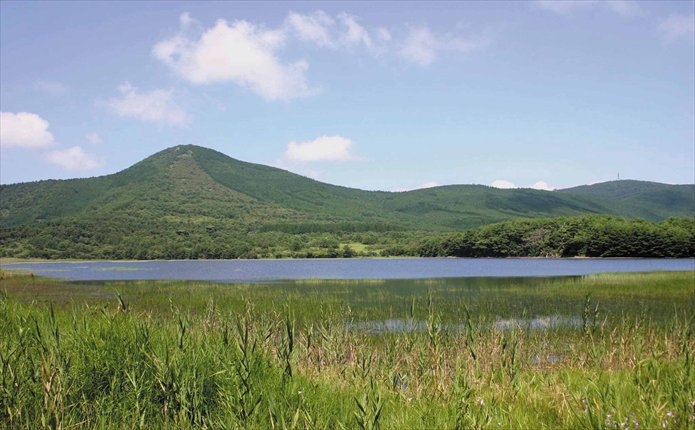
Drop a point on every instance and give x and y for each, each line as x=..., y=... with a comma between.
x=191, y=201
x=648, y=200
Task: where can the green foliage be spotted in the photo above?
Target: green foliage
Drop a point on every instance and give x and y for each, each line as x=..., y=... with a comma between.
x=641, y=199
x=191, y=202
x=586, y=236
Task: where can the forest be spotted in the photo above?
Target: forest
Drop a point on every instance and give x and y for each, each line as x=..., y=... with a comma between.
x=581, y=236
x=585, y=236
x=190, y=202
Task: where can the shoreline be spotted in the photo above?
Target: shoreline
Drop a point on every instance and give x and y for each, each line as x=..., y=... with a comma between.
x=12, y=260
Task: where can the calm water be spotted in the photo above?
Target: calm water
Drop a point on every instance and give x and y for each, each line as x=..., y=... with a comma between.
x=412, y=268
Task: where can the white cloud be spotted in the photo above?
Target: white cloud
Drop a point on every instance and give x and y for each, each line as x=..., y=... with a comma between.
x=185, y=20
x=505, y=184
x=429, y=184
x=383, y=34
x=565, y=7
x=623, y=7
x=418, y=44
x=53, y=88
x=542, y=185
x=678, y=26
x=502, y=183
x=354, y=33
x=94, y=139
x=73, y=159
x=324, y=148
x=152, y=106
x=25, y=130
x=241, y=53
x=248, y=54
x=568, y=7
x=324, y=31
x=315, y=27
x=421, y=46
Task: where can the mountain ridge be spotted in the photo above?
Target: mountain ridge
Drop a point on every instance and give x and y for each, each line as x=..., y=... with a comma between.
x=178, y=148
x=194, y=202
x=202, y=173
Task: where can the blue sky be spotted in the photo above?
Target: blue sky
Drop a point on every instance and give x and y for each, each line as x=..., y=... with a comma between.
x=378, y=96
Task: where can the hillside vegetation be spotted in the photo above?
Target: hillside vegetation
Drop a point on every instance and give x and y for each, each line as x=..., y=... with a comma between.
x=193, y=202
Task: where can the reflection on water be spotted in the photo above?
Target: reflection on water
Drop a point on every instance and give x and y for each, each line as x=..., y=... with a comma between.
x=545, y=359
x=400, y=325
x=391, y=325
x=539, y=323
x=409, y=268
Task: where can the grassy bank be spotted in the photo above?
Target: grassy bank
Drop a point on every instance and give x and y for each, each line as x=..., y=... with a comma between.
x=605, y=351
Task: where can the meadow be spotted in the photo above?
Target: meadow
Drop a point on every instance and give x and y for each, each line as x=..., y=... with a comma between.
x=610, y=351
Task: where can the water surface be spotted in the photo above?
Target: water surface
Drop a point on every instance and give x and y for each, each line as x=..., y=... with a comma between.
x=408, y=268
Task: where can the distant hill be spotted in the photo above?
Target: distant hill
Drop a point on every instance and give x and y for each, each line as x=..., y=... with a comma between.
x=189, y=194
x=641, y=199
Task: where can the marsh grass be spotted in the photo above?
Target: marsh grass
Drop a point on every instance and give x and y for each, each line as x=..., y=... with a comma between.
x=298, y=354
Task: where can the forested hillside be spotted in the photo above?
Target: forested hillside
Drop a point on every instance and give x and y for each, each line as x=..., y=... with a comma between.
x=585, y=236
x=193, y=202
x=648, y=200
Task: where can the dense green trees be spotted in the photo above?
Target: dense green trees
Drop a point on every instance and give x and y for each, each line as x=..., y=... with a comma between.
x=586, y=236
x=192, y=202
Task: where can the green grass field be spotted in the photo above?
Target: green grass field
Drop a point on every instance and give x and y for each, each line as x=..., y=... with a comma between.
x=611, y=351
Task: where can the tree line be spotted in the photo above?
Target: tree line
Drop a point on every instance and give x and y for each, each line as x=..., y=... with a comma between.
x=584, y=236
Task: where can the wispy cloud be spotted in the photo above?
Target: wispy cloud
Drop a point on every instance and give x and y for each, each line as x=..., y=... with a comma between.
x=677, y=27
x=94, y=139
x=421, y=46
x=569, y=7
x=248, y=54
x=341, y=31
x=324, y=148
x=315, y=27
x=24, y=130
x=50, y=87
x=185, y=20
x=353, y=32
x=74, y=158
x=156, y=106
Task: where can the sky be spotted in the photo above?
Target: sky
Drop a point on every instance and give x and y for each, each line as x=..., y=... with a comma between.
x=373, y=95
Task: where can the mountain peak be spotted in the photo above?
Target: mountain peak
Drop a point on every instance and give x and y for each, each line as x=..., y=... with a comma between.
x=189, y=182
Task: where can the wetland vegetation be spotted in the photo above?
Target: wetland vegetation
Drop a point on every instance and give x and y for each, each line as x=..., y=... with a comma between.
x=599, y=351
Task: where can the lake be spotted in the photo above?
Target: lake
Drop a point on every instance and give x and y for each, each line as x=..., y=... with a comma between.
x=407, y=268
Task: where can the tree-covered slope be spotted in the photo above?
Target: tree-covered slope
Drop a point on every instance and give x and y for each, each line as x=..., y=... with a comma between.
x=192, y=181
x=194, y=202
x=467, y=206
x=640, y=199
